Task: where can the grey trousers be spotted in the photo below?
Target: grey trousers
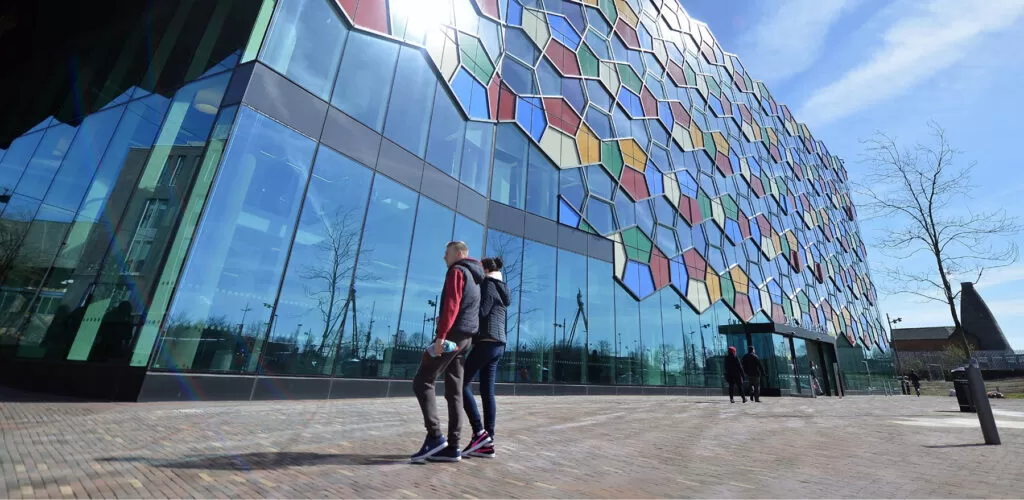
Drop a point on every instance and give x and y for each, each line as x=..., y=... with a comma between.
x=452, y=364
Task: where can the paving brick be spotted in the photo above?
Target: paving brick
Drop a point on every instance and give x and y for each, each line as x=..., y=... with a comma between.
x=563, y=447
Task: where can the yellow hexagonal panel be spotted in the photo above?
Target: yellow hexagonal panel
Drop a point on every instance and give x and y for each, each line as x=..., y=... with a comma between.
x=626, y=13
x=633, y=155
x=590, y=146
x=721, y=143
x=740, y=280
x=714, y=285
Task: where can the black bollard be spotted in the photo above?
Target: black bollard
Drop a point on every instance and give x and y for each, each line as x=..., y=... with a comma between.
x=976, y=386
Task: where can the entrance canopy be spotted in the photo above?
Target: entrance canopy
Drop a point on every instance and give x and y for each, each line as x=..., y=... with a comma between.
x=782, y=329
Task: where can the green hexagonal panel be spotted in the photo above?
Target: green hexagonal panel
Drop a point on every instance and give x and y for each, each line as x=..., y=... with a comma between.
x=638, y=245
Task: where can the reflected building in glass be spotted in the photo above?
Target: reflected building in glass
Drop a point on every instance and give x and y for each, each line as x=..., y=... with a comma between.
x=250, y=200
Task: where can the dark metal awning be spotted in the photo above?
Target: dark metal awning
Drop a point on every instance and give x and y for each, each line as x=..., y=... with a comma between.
x=779, y=328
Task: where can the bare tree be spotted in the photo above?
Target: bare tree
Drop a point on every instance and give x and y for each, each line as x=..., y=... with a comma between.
x=925, y=197
x=330, y=277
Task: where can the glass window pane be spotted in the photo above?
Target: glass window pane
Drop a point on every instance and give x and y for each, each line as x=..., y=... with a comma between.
x=521, y=46
x=305, y=43
x=367, y=67
x=12, y=166
x=315, y=292
x=654, y=359
x=447, y=129
x=222, y=310
x=510, y=249
x=422, y=286
x=600, y=316
x=411, y=100
x=383, y=257
x=542, y=185
x=84, y=157
x=470, y=233
x=537, y=314
x=627, y=331
x=91, y=233
x=570, y=308
x=45, y=162
x=508, y=184
x=476, y=156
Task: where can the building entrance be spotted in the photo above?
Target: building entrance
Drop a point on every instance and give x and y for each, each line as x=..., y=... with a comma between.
x=797, y=361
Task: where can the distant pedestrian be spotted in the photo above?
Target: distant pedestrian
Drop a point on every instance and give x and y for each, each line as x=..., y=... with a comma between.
x=488, y=349
x=734, y=375
x=458, y=322
x=916, y=380
x=754, y=370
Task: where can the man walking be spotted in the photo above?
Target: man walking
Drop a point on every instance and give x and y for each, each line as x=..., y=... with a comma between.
x=754, y=370
x=916, y=380
x=459, y=320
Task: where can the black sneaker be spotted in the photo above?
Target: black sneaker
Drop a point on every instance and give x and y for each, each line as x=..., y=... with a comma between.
x=483, y=452
x=448, y=454
x=480, y=440
x=431, y=446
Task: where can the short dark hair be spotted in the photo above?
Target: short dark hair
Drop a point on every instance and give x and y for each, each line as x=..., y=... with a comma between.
x=750, y=348
x=492, y=264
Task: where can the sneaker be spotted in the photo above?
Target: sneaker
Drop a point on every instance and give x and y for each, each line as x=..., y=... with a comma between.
x=480, y=440
x=448, y=454
x=431, y=446
x=483, y=452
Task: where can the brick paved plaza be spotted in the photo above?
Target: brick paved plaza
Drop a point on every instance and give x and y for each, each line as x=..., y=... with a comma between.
x=548, y=447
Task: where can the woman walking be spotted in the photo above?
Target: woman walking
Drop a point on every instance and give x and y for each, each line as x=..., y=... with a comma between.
x=734, y=375
x=488, y=348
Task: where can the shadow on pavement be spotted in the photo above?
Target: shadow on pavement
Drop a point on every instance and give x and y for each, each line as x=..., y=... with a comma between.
x=267, y=460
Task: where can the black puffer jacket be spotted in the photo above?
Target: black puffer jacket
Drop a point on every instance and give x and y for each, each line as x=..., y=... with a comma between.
x=494, y=302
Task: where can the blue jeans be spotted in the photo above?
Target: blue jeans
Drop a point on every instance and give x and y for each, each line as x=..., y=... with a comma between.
x=482, y=359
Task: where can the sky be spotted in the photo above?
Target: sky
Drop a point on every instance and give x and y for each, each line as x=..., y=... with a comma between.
x=851, y=68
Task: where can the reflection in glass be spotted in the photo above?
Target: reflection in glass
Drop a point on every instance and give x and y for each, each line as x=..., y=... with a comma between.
x=409, y=108
x=224, y=304
x=510, y=249
x=571, y=317
x=537, y=330
x=508, y=182
x=470, y=233
x=672, y=340
x=447, y=130
x=134, y=258
x=314, y=300
x=542, y=185
x=423, y=286
x=17, y=156
x=89, y=235
x=476, y=156
x=367, y=67
x=652, y=349
x=304, y=43
x=45, y=162
x=83, y=158
x=380, y=275
x=600, y=313
x=628, y=370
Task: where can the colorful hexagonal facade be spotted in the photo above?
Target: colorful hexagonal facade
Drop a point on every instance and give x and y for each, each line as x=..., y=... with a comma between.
x=688, y=160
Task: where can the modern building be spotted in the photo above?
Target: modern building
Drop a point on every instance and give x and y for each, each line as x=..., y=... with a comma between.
x=250, y=199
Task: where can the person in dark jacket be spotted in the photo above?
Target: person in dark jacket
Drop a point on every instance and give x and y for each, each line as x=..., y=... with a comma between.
x=734, y=375
x=458, y=322
x=488, y=348
x=916, y=380
x=754, y=370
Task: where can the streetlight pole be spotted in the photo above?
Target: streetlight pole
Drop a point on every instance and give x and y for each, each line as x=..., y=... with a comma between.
x=867, y=368
x=892, y=341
